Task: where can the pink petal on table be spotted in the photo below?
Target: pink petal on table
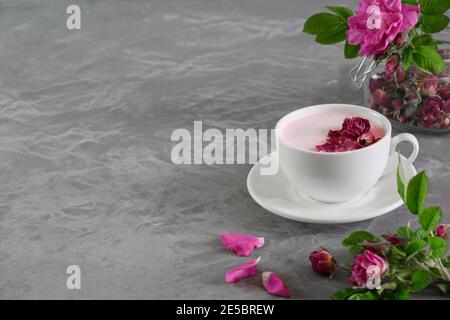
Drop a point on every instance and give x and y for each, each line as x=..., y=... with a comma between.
x=240, y=243
x=246, y=270
x=274, y=285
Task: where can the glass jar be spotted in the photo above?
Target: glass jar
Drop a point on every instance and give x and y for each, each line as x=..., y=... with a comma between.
x=412, y=100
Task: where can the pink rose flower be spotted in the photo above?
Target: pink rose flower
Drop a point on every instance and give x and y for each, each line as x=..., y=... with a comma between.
x=378, y=23
x=323, y=262
x=365, y=266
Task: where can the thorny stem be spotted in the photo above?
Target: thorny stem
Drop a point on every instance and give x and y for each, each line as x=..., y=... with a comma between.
x=419, y=265
x=440, y=266
x=443, y=270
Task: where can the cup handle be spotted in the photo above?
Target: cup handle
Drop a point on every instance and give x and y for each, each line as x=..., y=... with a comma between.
x=402, y=137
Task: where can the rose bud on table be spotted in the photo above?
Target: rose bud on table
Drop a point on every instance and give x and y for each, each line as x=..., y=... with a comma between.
x=323, y=262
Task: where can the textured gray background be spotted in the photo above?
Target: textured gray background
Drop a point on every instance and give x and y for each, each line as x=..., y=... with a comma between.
x=85, y=124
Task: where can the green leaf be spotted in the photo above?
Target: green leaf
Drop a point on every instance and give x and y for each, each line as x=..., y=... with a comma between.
x=430, y=217
x=407, y=58
x=446, y=262
x=415, y=247
x=438, y=247
x=413, y=2
x=342, y=12
x=332, y=36
x=405, y=232
x=428, y=59
x=417, y=192
x=395, y=252
x=356, y=249
x=424, y=40
x=401, y=294
x=369, y=295
x=400, y=179
x=351, y=51
x=434, y=6
x=420, y=235
x=320, y=22
x=433, y=24
x=357, y=237
x=420, y=280
x=345, y=293
x=387, y=286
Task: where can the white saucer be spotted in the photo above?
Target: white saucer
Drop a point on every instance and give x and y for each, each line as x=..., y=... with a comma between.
x=275, y=194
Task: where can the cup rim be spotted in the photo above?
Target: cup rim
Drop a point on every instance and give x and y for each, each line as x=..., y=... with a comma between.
x=387, y=134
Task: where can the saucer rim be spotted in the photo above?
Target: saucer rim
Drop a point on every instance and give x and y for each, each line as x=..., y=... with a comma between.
x=350, y=219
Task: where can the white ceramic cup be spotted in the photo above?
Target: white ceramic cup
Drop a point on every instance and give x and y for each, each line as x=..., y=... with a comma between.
x=337, y=177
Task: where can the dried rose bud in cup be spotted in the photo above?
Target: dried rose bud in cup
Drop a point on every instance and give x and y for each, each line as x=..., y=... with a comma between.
x=322, y=261
x=354, y=134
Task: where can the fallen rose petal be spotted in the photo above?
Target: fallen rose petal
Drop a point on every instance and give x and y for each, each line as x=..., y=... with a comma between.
x=241, y=244
x=245, y=270
x=274, y=285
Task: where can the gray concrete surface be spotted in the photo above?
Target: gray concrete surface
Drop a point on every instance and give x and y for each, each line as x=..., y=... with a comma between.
x=85, y=124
